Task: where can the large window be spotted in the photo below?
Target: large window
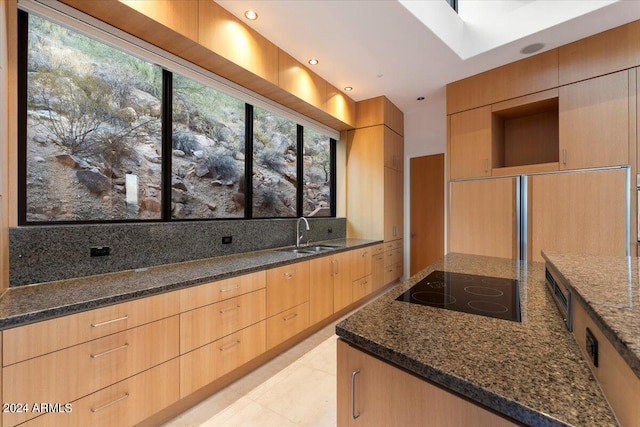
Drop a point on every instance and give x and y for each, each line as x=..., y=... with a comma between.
x=108, y=136
x=92, y=129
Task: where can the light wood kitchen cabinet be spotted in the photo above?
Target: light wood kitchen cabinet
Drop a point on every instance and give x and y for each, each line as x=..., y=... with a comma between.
x=379, y=111
x=40, y=338
x=329, y=276
x=287, y=286
x=594, y=122
x=470, y=143
x=210, y=323
x=209, y=293
x=393, y=261
x=580, y=212
x=374, y=393
x=360, y=263
x=74, y=372
x=287, y=324
x=393, y=150
x=125, y=403
x=179, y=15
x=377, y=267
x=393, y=204
x=482, y=217
x=603, y=53
x=361, y=288
x=208, y=363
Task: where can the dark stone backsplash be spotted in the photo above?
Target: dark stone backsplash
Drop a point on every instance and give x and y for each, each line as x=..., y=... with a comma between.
x=45, y=253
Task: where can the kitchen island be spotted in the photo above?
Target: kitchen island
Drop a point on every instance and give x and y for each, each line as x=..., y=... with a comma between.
x=530, y=372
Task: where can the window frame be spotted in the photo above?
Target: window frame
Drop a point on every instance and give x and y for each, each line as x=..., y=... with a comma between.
x=205, y=77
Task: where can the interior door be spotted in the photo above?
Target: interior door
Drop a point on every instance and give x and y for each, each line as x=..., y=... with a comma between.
x=427, y=210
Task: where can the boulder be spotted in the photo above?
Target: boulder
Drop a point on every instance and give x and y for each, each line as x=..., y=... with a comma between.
x=72, y=161
x=178, y=183
x=150, y=204
x=94, y=181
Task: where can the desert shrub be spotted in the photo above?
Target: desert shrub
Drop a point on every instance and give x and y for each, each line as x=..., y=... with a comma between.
x=185, y=141
x=273, y=160
x=223, y=167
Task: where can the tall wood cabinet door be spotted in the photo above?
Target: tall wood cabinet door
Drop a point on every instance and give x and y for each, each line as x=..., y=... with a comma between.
x=374, y=393
x=470, y=143
x=342, y=294
x=393, y=150
x=321, y=272
x=581, y=212
x=482, y=217
x=594, y=122
x=393, y=204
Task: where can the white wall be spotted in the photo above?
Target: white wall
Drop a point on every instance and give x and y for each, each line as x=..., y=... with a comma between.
x=425, y=133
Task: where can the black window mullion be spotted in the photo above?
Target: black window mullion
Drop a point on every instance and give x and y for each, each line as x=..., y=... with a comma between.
x=23, y=45
x=248, y=161
x=332, y=171
x=300, y=171
x=167, y=142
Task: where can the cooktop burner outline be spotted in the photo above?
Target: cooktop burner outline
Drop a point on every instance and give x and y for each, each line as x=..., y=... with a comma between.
x=480, y=295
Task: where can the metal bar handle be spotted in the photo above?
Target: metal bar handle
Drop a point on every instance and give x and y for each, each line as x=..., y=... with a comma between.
x=230, y=289
x=227, y=310
x=564, y=156
x=104, y=353
x=337, y=266
x=291, y=316
x=113, y=402
x=353, y=394
x=97, y=325
x=230, y=346
x=486, y=165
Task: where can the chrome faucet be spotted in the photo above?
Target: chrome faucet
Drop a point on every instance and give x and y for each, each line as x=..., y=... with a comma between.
x=298, y=235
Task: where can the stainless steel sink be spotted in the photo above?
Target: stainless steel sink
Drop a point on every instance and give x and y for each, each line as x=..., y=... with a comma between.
x=314, y=249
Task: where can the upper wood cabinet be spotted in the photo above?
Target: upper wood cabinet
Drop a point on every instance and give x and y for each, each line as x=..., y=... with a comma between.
x=482, y=217
x=179, y=15
x=603, y=53
x=375, y=192
x=594, y=122
x=530, y=75
x=393, y=150
x=226, y=35
x=379, y=111
x=470, y=143
x=298, y=80
x=599, y=197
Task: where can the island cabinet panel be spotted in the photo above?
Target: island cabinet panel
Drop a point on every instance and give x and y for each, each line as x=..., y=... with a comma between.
x=374, y=393
x=227, y=36
x=578, y=212
x=482, y=217
x=530, y=75
x=179, y=15
x=603, y=53
x=470, y=146
x=40, y=338
x=69, y=374
x=210, y=362
x=618, y=382
x=594, y=122
x=125, y=403
x=287, y=286
x=210, y=323
x=209, y=293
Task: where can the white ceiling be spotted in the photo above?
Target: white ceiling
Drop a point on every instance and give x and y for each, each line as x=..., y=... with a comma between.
x=410, y=48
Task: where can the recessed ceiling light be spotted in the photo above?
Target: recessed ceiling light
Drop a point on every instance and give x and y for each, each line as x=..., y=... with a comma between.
x=313, y=61
x=348, y=88
x=532, y=48
x=251, y=15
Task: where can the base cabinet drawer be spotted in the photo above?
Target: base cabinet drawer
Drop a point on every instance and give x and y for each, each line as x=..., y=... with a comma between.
x=123, y=404
x=287, y=286
x=209, y=293
x=207, y=324
x=69, y=374
x=362, y=287
x=208, y=363
x=284, y=325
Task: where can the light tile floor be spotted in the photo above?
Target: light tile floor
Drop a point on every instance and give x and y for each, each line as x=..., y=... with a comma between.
x=295, y=389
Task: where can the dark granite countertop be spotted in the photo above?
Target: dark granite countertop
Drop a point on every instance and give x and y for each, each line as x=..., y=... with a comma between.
x=532, y=371
x=33, y=303
x=608, y=287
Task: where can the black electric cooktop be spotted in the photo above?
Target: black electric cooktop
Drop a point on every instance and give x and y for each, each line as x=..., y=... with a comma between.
x=482, y=295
